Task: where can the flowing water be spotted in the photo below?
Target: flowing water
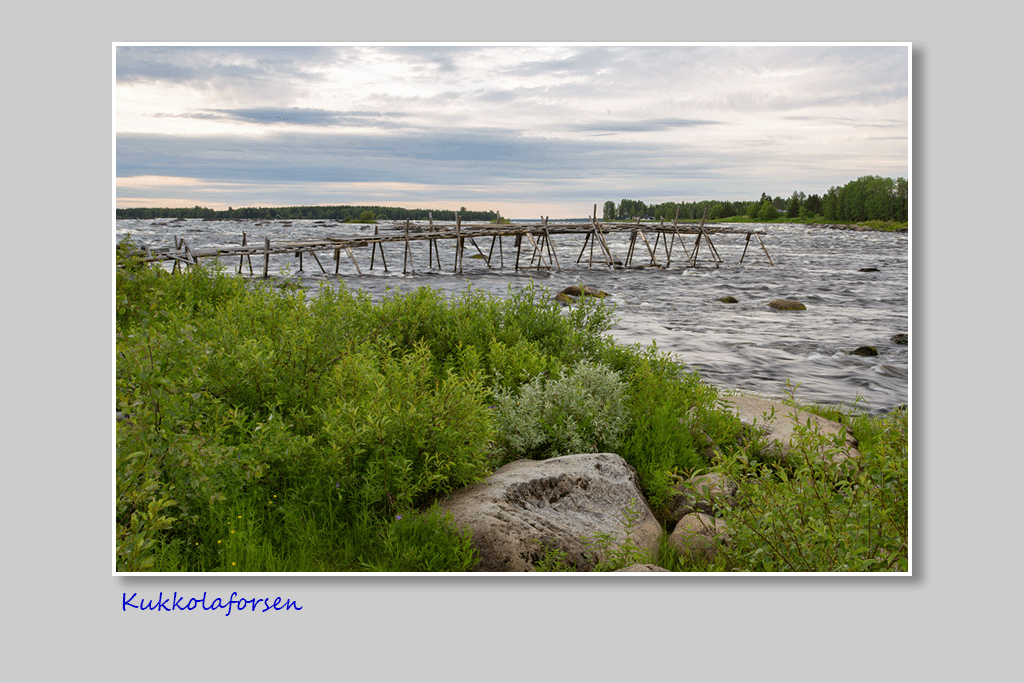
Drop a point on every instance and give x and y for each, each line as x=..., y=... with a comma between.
x=746, y=345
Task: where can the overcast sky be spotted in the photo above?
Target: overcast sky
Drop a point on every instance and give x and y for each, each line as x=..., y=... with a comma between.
x=527, y=130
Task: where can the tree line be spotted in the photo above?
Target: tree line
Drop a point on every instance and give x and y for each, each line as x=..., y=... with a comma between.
x=343, y=213
x=867, y=198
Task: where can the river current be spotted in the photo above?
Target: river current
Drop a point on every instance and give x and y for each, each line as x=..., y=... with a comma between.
x=746, y=345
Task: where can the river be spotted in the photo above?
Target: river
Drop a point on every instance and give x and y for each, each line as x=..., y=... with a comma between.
x=746, y=345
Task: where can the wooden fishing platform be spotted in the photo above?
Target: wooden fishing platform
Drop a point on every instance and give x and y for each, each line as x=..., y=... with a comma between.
x=534, y=237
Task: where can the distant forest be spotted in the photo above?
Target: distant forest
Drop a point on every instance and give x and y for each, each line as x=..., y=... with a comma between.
x=865, y=199
x=343, y=213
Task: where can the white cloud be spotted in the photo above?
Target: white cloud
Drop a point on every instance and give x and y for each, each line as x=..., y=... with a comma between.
x=665, y=120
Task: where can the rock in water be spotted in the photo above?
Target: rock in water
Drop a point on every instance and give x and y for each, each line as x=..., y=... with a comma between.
x=530, y=507
x=577, y=290
x=787, y=305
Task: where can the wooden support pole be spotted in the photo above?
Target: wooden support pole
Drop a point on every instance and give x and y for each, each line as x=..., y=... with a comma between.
x=607, y=250
x=585, y=240
x=486, y=259
x=604, y=244
x=373, y=252
x=408, y=252
x=551, y=249
x=337, y=260
x=714, y=252
x=540, y=258
x=241, y=259
x=266, y=256
x=313, y=254
x=352, y=256
x=745, y=245
x=459, y=245
x=765, y=249
x=654, y=257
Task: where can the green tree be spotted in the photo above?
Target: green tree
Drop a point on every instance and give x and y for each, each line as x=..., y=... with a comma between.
x=793, y=205
x=812, y=206
x=767, y=211
x=609, y=210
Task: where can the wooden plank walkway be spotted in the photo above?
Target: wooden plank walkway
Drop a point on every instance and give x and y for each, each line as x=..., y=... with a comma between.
x=534, y=237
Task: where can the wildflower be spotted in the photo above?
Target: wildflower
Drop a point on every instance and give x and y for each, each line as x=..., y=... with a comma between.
x=398, y=518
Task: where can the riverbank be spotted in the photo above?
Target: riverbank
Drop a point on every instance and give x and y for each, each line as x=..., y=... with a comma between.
x=267, y=429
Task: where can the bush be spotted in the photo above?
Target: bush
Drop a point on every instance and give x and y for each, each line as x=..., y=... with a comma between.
x=392, y=436
x=581, y=411
x=816, y=515
x=673, y=416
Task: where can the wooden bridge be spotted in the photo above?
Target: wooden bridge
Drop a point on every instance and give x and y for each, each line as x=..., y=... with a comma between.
x=534, y=238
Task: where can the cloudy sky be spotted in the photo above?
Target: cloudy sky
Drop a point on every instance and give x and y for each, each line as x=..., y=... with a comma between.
x=527, y=130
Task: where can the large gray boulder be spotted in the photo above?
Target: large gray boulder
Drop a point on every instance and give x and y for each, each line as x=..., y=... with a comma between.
x=530, y=507
x=775, y=422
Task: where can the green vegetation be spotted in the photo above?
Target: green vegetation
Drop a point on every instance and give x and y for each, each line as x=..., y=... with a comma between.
x=815, y=514
x=261, y=429
x=364, y=217
x=341, y=213
x=869, y=200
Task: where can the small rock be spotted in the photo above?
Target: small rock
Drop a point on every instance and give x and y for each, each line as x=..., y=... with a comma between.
x=865, y=351
x=787, y=305
x=697, y=535
x=728, y=300
x=901, y=339
x=869, y=270
x=578, y=290
x=704, y=493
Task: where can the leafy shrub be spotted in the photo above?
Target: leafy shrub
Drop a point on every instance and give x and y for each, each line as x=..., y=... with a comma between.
x=816, y=515
x=673, y=416
x=582, y=411
x=393, y=436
